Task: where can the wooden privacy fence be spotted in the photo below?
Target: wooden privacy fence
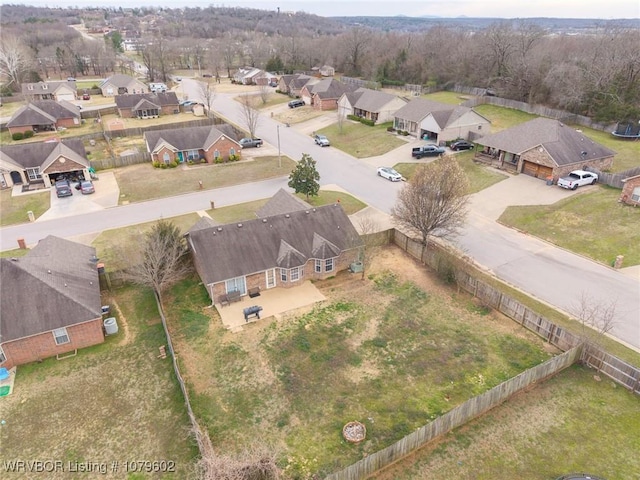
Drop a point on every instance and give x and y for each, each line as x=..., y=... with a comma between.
x=456, y=417
x=121, y=161
x=614, y=179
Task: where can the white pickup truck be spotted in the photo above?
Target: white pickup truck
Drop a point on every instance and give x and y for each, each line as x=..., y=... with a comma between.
x=577, y=178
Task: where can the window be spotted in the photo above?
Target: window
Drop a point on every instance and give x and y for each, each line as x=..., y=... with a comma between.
x=635, y=195
x=34, y=173
x=61, y=336
x=193, y=155
x=283, y=274
x=3, y=357
x=295, y=274
x=216, y=154
x=166, y=157
x=232, y=151
x=318, y=267
x=236, y=285
x=328, y=265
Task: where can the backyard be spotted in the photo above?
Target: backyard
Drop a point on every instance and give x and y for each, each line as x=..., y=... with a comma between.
x=576, y=225
x=402, y=348
x=112, y=402
x=360, y=140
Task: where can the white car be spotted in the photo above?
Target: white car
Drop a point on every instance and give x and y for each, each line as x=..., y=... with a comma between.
x=389, y=173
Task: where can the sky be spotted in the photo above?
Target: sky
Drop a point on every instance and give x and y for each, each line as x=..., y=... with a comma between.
x=601, y=9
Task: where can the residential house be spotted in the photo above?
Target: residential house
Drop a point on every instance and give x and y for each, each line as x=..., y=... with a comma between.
x=380, y=107
x=50, y=91
x=327, y=71
x=147, y=105
x=296, y=84
x=49, y=302
x=265, y=78
x=631, y=191
x=281, y=250
x=196, y=144
x=324, y=94
x=44, y=116
x=246, y=75
x=282, y=202
x=543, y=148
x=440, y=122
x=120, y=84
x=38, y=164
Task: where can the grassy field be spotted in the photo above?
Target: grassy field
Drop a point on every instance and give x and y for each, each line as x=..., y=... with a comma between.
x=576, y=225
x=400, y=353
x=480, y=177
x=112, y=402
x=14, y=210
x=360, y=140
x=627, y=152
x=143, y=182
x=502, y=118
x=570, y=423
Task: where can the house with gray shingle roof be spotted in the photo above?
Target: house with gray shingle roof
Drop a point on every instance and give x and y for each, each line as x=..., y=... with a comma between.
x=49, y=303
x=281, y=250
x=282, y=202
x=147, y=105
x=120, y=84
x=197, y=144
x=543, y=148
x=44, y=116
x=57, y=91
x=38, y=164
x=380, y=107
x=324, y=94
x=440, y=122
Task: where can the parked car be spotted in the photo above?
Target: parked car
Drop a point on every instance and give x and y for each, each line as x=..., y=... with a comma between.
x=178, y=79
x=296, y=103
x=461, y=145
x=429, y=150
x=250, y=142
x=207, y=75
x=389, y=173
x=322, y=140
x=63, y=189
x=86, y=187
x=577, y=178
x=86, y=96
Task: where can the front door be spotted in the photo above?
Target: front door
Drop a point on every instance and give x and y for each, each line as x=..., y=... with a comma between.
x=271, y=278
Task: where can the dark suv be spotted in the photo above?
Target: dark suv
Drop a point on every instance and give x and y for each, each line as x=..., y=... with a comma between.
x=461, y=145
x=63, y=189
x=296, y=103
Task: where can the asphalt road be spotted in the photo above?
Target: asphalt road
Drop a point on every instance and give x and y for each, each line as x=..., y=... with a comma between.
x=553, y=275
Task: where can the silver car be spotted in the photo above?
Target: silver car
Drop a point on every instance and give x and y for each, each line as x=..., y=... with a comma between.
x=389, y=173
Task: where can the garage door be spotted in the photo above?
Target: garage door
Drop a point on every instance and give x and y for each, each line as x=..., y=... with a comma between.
x=535, y=170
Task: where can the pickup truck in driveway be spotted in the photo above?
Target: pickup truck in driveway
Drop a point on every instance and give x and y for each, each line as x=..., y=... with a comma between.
x=430, y=150
x=577, y=178
x=250, y=142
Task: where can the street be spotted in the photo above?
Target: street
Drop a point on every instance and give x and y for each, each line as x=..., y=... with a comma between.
x=550, y=274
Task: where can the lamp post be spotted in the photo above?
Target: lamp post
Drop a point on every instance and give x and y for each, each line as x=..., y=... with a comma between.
x=279, y=157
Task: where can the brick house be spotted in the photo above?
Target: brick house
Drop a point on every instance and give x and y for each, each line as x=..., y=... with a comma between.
x=543, y=148
x=147, y=105
x=324, y=94
x=380, y=107
x=120, y=84
x=440, y=122
x=49, y=304
x=280, y=250
x=190, y=144
x=57, y=91
x=44, y=116
x=38, y=164
x=631, y=191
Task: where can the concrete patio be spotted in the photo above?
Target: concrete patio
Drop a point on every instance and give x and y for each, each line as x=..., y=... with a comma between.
x=274, y=302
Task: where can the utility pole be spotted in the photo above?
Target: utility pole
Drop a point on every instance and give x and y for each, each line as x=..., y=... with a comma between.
x=279, y=156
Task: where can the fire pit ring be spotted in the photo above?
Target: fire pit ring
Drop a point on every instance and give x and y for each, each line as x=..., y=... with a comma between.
x=354, y=432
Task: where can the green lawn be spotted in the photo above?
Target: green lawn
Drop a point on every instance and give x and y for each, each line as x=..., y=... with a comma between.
x=360, y=140
x=143, y=182
x=112, y=402
x=398, y=355
x=590, y=426
x=576, y=224
x=453, y=98
x=350, y=204
x=480, y=177
x=502, y=118
x=627, y=152
x=14, y=210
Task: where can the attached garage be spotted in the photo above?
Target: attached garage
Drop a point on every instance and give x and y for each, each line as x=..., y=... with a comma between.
x=536, y=170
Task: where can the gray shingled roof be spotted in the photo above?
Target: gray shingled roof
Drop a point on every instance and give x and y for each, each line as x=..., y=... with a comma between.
x=373, y=100
x=329, y=88
x=203, y=222
x=43, y=112
x=182, y=139
x=564, y=144
x=287, y=240
x=36, y=154
x=131, y=100
x=48, y=288
x=418, y=108
x=118, y=80
x=51, y=87
x=282, y=202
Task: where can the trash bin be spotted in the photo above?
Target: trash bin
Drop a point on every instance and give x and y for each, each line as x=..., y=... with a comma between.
x=549, y=180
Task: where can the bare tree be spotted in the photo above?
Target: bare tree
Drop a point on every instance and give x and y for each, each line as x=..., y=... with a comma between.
x=14, y=60
x=368, y=228
x=597, y=317
x=433, y=202
x=250, y=115
x=208, y=94
x=256, y=462
x=162, y=259
x=264, y=91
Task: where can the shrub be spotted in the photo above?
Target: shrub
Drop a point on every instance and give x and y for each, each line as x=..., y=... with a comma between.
x=28, y=134
x=155, y=164
x=173, y=164
x=17, y=136
x=353, y=117
x=218, y=160
x=391, y=129
x=163, y=165
x=368, y=122
x=203, y=160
